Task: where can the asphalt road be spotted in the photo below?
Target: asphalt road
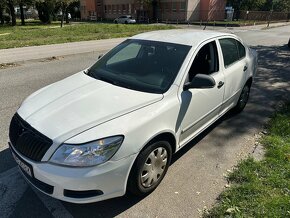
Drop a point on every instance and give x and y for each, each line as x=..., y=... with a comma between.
x=196, y=176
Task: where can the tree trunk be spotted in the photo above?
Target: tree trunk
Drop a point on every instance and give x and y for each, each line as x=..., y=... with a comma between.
x=22, y=14
x=154, y=10
x=62, y=18
x=66, y=17
x=1, y=16
x=12, y=12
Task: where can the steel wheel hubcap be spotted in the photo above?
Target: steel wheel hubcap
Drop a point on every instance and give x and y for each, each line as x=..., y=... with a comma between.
x=244, y=96
x=154, y=167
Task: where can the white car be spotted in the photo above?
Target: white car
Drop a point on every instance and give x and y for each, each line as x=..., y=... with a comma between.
x=126, y=19
x=114, y=127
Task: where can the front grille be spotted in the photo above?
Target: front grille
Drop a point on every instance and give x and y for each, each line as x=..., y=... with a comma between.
x=26, y=140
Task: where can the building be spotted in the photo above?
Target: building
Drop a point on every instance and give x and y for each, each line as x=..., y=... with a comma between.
x=163, y=10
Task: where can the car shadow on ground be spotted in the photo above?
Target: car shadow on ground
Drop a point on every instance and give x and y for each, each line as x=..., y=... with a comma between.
x=271, y=86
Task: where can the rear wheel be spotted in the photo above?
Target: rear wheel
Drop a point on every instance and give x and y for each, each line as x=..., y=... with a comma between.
x=149, y=168
x=116, y=21
x=243, y=99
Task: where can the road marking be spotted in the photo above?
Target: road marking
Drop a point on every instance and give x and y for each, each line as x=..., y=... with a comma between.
x=54, y=206
x=12, y=187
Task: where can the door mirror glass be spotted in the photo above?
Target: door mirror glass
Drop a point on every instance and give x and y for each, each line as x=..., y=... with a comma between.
x=200, y=81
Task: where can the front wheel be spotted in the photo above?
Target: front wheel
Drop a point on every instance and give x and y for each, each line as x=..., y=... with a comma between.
x=243, y=99
x=149, y=168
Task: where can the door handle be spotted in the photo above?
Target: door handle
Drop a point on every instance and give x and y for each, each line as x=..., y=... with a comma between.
x=245, y=68
x=220, y=84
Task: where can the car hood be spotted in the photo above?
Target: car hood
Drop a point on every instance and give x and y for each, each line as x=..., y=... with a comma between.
x=79, y=102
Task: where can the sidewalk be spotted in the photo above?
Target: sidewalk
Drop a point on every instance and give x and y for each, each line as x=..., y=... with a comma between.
x=13, y=55
x=264, y=26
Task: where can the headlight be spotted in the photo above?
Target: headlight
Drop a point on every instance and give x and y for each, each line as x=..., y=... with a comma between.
x=89, y=154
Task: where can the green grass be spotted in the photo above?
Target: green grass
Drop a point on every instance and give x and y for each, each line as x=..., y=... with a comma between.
x=35, y=33
x=261, y=188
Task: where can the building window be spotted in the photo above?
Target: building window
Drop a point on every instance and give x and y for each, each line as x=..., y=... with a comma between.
x=109, y=9
x=127, y=9
x=167, y=6
x=114, y=9
x=105, y=9
x=173, y=6
x=182, y=6
x=124, y=9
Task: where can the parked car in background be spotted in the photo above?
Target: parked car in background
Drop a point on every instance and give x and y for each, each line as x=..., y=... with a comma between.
x=114, y=127
x=126, y=19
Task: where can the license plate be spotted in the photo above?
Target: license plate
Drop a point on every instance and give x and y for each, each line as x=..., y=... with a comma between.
x=24, y=166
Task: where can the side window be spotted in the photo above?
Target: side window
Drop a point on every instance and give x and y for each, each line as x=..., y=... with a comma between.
x=206, y=61
x=242, y=50
x=129, y=52
x=230, y=51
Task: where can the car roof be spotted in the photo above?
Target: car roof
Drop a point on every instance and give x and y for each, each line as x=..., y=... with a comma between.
x=180, y=36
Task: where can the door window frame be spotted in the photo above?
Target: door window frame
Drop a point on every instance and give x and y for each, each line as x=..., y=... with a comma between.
x=193, y=55
x=221, y=51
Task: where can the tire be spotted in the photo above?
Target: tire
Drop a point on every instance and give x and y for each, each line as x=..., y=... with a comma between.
x=243, y=99
x=126, y=22
x=116, y=22
x=147, y=173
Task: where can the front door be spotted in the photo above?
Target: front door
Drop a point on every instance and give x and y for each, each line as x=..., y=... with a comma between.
x=201, y=107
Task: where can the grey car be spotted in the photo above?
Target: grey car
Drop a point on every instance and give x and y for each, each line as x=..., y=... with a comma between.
x=125, y=19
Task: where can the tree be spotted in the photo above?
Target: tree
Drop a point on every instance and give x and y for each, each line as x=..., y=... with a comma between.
x=21, y=4
x=2, y=8
x=150, y=5
x=265, y=5
x=280, y=5
x=63, y=7
x=247, y=4
x=46, y=10
x=11, y=4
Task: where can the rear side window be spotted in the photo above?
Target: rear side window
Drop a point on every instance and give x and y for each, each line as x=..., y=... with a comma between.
x=242, y=50
x=230, y=51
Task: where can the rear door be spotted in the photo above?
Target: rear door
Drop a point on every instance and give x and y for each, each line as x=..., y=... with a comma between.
x=234, y=67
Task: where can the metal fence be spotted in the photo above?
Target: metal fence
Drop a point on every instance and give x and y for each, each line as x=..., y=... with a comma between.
x=199, y=17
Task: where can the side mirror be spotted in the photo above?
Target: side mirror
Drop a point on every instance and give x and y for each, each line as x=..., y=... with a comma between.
x=200, y=81
x=101, y=55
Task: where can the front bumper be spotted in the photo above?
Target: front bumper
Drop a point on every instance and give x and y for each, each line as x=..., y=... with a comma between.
x=80, y=185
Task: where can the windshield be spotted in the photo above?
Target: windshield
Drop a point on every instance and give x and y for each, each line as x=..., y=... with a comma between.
x=142, y=65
